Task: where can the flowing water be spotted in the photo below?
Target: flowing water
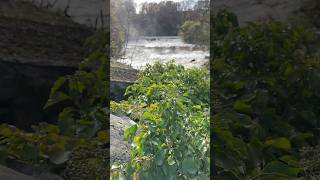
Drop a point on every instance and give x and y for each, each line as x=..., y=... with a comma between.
x=148, y=50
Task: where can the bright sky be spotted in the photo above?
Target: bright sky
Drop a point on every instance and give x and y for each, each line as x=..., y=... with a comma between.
x=142, y=1
x=139, y=2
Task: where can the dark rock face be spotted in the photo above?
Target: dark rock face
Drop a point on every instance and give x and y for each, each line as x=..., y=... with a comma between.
x=121, y=78
x=24, y=91
x=118, y=89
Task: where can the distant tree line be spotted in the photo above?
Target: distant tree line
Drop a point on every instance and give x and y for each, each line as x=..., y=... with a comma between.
x=158, y=19
x=195, y=28
x=121, y=11
x=165, y=18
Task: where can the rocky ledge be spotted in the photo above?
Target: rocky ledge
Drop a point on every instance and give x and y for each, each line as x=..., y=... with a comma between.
x=119, y=149
x=9, y=174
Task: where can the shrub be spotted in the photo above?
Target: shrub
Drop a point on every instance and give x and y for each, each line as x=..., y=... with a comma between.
x=266, y=81
x=171, y=140
x=195, y=32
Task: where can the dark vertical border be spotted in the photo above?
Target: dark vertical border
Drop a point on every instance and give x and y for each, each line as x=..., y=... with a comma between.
x=212, y=163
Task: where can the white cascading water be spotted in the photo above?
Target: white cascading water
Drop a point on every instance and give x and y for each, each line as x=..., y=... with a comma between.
x=148, y=50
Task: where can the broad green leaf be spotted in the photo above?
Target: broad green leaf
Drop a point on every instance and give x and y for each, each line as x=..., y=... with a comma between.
x=290, y=160
x=189, y=165
x=289, y=70
x=160, y=158
x=57, y=85
x=203, y=177
x=149, y=115
x=129, y=133
x=242, y=106
x=56, y=98
x=279, y=143
x=171, y=160
x=281, y=168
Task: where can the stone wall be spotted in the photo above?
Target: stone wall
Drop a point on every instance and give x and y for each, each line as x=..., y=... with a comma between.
x=119, y=149
x=81, y=11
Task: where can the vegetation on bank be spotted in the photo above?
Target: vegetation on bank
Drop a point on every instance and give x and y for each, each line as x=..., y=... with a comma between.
x=264, y=116
x=265, y=81
x=171, y=139
x=195, y=29
x=196, y=32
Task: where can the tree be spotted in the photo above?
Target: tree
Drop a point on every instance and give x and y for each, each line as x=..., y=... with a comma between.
x=121, y=11
x=159, y=19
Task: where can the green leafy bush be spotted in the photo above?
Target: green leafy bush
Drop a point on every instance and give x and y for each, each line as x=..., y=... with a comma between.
x=124, y=108
x=195, y=32
x=266, y=81
x=171, y=140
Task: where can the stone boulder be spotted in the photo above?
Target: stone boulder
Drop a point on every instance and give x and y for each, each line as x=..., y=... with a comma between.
x=119, y=149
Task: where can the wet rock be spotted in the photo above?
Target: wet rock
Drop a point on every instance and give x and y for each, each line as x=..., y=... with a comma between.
x=119, y=149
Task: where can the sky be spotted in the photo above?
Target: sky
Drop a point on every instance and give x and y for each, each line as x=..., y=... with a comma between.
x=142, y=1
x=139, y=2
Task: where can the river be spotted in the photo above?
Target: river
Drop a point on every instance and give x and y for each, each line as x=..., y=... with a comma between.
x=148, y=50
